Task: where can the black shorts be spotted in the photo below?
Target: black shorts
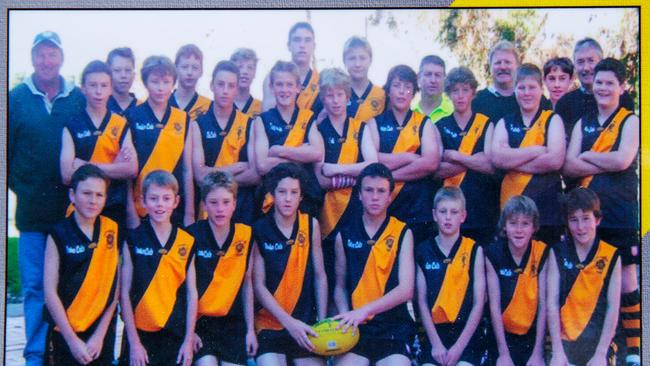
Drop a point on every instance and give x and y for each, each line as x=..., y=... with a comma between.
x=520, y=347
x=376, y=349
x=281, y=342
x=579, y=354
x=58, y=353
x=162, y=348
x=448, y=334
x=624, y=240
x=223, y=338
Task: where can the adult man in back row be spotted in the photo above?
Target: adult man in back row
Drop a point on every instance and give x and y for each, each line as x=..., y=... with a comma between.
x=433, y=103
x=36, y=109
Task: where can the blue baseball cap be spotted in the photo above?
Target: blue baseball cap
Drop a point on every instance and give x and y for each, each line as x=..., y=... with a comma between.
x=47, y=36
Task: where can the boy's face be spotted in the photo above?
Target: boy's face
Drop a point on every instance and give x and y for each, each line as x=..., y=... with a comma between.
x=335, y=101
x=582, y=226
x=247, y=71
x=519, y=229
x=189, y=70
x=287, y=196
x=160, y=202
x=285, y=88
x=585, y=61
x=159, y=86
x=97, y=88
x=449, y=215
x=123, y=74
x=461, y=94
x=400, y=94
x=558, y=83
x=431, y=79
x=607, y=89
x=301, y=45
x=357, y=61
x=89, y=197
x=529, y=94
x=224, y=88
x=220, y=205
x=375, y=195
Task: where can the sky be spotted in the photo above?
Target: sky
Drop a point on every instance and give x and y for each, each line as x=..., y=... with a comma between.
x=90, y=34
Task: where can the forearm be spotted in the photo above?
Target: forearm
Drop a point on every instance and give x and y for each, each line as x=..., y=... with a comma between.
x=248, y=306
x=341, y=299
x=321, y=295
x=609, y=328
x=304, y=153
x=427, y=323
x=544, y=163
x=121, y=170
x=353, y=170
x=394, y=297
x=447, y=169
x=472, y=323
x=266, y=299
x=57, y=311
x=478, y=162
x=188, y=190
x=192, y=298
x=577, y=167
x=507, y=158
x=265, y=165
x=248, y=177
x=394, y=161
x=420, y=168
x=106, y=319
x=128, y=319
x=609, y=162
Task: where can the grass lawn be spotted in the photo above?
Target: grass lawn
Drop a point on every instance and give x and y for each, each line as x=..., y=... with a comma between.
x=13, y=278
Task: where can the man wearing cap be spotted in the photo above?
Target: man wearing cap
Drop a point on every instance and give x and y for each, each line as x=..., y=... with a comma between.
x=36, y=108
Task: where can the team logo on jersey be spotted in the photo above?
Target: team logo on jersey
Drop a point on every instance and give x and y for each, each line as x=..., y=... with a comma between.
x=301, y=238
x=387, y=128
x=240, y=248
x=78, y=249
x=207, y=254
x=600, y=264
x=505, y=272
x=240, y=132
x=110, y=239
x=389, y=243
x=114, y=131
x=146, y=126
x=182, y=251
x=355, y=244
x=144, y=251
x=567, y=264
x=210, y=135
x=177, y=127
x=463, y=259
x=589, y=129
x=533, y=269
x=84, y=134
x=432, y=266
x=374, y=104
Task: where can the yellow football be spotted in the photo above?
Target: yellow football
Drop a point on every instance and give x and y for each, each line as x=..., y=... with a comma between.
x=332, y=341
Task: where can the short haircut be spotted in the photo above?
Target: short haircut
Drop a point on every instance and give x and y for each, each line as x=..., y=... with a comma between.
x=584, y=199
x=503, y=46
x=285, y=170
x=160, y=65
x=187, y=51
x=244, y=54
x=93, y=67
x=518, y=205
x=85, y=172
x=528, y=71
x=563, y=63
x=300, y=25
x=432, y=59
x=160, y=178
x=285, y=66
x=376, y=170
x=460, y=75
x=218, y=179
x=404, y=73
x=356, y=42
x=449, y=194
x=613, y=65
x=124, y=52
x=588, y=43
x=334, y=78
x=225, y=65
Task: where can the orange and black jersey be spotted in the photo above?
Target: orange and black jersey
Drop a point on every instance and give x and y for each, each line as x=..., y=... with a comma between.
x=158, y=288
x=351, y=138
x=87, y=270
x=372, y=265
x=159, y=145
x=278, y=131
x=196, y=107
x=252, y=107
x=309, y=96
x=289, y=271
x=368, y=105
x=618, y=191
x=220, y=271
x=481, y=190
x=114, y=106
x=449, y=280
x=227, y=146
x=414, y=200
x=518, y=284
x=545, y=188
x=583, y=291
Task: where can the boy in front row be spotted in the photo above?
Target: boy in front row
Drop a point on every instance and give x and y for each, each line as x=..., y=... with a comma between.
x=450, y=287
x=81, y=276
x=375, y=276
x=584, y=287
x=158, y=295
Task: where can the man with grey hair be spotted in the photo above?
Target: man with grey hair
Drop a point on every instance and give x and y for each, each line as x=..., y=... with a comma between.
x=498, y=99
x=36, y=109
x=573, y=105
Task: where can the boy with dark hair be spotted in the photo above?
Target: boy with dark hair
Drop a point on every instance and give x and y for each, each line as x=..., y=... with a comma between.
x=603, y=153
x=375, y=276
x=121, y=61
x=189, y=66
x=158, y=296
x=558, y=77
x=584, y=287
x=289, y=276
x=81, y=276
x=433, y=103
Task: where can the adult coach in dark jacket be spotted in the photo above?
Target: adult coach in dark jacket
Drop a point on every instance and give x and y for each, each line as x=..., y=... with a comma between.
x=36, y=109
